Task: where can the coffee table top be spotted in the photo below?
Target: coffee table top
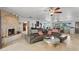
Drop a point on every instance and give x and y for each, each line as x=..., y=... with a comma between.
x=51, y=40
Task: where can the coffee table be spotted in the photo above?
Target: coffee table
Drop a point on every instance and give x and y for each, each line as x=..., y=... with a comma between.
x=51, y=40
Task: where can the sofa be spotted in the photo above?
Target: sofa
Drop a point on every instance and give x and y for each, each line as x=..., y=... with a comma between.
x=36, y=37
x=40, y=35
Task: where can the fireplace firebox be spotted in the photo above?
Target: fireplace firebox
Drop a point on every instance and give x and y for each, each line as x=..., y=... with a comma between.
x=11, y=32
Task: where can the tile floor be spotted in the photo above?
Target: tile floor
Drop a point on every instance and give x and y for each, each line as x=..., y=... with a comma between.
x=22, y=45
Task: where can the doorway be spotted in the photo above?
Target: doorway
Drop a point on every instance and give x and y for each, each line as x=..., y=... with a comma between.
x=0, y=32
x=26, y=27
x=77, y=27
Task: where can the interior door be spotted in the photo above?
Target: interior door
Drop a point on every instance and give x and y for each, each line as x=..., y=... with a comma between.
x=77, y=27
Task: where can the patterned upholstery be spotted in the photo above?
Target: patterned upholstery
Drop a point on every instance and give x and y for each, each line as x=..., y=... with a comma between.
x=55, y=30
x=40, y=32
x=49, y=32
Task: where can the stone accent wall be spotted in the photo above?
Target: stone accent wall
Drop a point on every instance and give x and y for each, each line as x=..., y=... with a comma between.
x=8, y=21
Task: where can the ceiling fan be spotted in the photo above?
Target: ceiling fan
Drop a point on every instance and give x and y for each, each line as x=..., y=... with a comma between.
x=55, y=10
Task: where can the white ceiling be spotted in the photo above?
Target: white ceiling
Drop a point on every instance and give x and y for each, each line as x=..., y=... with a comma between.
x=27, y=11
x=39, y=12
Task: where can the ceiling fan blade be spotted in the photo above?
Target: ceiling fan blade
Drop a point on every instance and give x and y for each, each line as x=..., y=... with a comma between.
x=57, y=8
x=58, y=12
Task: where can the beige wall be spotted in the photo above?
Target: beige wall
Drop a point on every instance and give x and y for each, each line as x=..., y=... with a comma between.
x=9, y=21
